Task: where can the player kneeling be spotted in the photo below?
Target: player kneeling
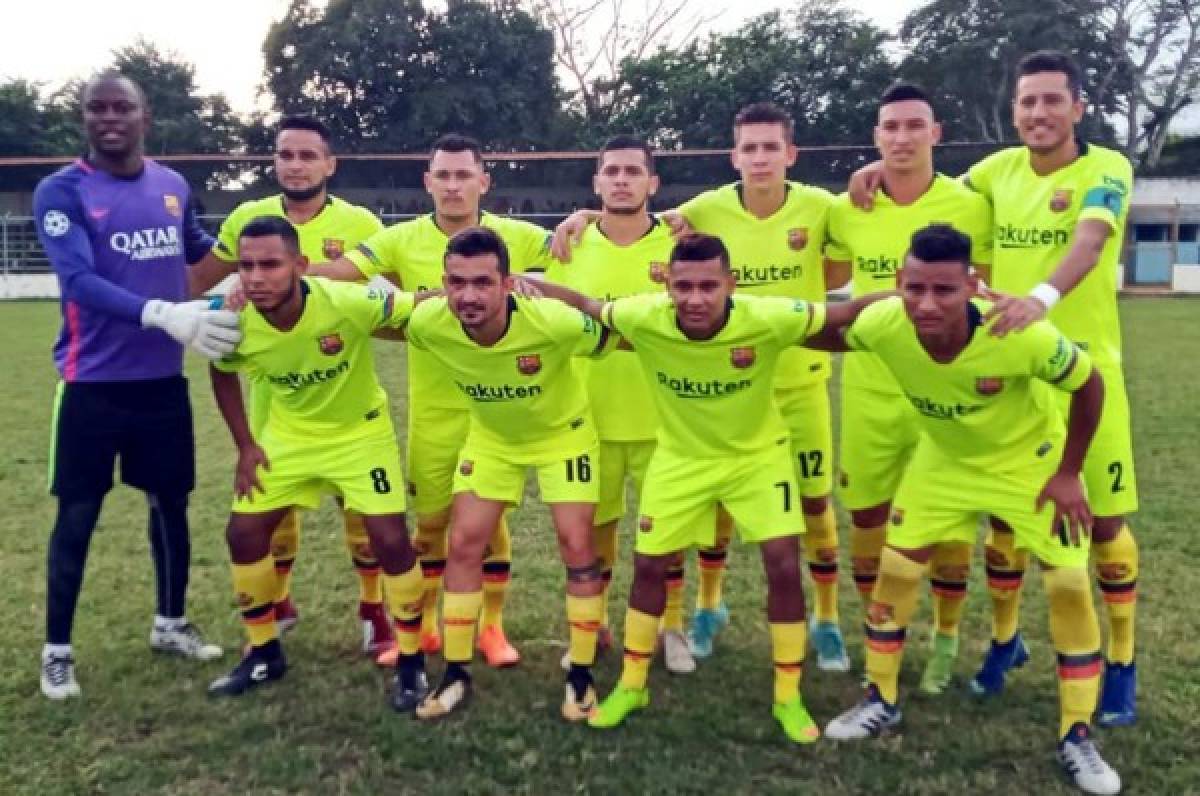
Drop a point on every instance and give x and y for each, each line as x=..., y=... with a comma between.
x=328, y=430
x=993, y=443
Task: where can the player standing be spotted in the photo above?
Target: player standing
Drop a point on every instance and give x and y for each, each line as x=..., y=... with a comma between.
x=119, y=231
x=879, y=428
x=993, y=444
x=328, y=429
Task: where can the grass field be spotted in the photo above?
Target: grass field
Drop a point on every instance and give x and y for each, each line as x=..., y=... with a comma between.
x=145, y=725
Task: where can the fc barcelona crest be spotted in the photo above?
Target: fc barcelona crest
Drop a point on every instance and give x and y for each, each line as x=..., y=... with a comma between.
x=1060, y=201
x=797, y=238
x=333, y=248
x=988, y=386
x=330, y=344
x=171, y=203
x=466, y=467
x=658, y=272
x=741, y=357
x=529, y=364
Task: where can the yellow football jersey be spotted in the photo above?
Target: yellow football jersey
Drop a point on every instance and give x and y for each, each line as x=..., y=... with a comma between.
x=524, y=396
x=600, y=269
x=339, y=227
x=991, y=407
x=715, y=397
x=321, y=372
x=414, y=252
x=1034, y=225
x=777, y=256
x=875, y=243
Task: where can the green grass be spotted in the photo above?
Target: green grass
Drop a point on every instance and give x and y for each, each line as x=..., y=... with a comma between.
x=145, y=724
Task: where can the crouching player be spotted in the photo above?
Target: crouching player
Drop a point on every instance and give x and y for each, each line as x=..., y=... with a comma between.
x=328, y=430
x=993, y=443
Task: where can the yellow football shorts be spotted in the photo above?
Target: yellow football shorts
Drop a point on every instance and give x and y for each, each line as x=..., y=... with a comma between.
x=363, y=470
x=681, y=495
x=879, y=433
x=620, y=461
x=499, y=475
x=806, y=413
x=435, y=439
x=940, y=500
x=1108, y=467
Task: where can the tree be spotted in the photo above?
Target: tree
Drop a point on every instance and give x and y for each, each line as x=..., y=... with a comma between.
x=27, y=123
x=965, y=53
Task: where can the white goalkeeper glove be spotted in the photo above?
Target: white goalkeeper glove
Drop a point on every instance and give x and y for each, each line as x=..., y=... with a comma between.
x=214, y=333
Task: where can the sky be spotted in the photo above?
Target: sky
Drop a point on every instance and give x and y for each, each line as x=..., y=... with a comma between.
x=51, y=41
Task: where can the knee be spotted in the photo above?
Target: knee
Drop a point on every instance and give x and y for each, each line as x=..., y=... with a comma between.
x=1105, y=529
x=467, y=542
x=872, y=517
x=782, y=570
x=651, y=569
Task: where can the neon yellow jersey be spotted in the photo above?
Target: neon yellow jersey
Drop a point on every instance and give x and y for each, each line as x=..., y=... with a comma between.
x=715, y=397
x=413, y=252
x=1035, y=220
x=525, y=398
x=777, y=256
x=339, y=227
x=321, y=373
x=991, y=407
x=875, y=243
x=599, y=268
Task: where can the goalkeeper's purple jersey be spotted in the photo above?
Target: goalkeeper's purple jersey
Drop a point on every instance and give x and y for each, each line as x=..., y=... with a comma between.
x=114, y=243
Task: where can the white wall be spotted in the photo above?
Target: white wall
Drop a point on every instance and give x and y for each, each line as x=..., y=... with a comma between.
x=28, y=286
x=1186, y=279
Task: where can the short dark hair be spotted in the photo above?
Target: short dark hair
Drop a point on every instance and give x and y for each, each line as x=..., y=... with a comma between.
x=456, y=142
x=697, y=248
x=266, y=226
x=941, y=243
x=620, y=142
x=474, y=241
x=765, y=113
x=106, y=75
x=901, y=91
x=1053, y=61
x=309, y=123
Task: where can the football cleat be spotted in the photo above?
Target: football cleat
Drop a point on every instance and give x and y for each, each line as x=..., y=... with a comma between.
x=939, y=671
x=831, y=647
x=706, y=624
x=495, y=648
x=676, y=654
x=617, y=706
x=58, y=677
x=579, y=699
x=867, y=719
x=257, y=668
x=184, y=641
x=411, y=685
x=431, y=642
x=794, y=719
x=1118, y=700
x=604, y=642
x=378, y=636
x=451, y=694
x=1082, y=763
x=1000, y=660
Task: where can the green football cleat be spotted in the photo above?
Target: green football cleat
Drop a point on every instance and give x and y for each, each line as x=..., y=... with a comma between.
x=940, y=669
x=617, y=706
x=796, y=723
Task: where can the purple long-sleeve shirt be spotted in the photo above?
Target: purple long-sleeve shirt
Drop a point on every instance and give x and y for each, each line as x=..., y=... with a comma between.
x=114, y=243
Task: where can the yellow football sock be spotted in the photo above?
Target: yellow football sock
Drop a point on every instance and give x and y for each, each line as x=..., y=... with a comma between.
x=285, y=544
x=866, y=545
x=821, y=552
x=497, y=572
x=641, y=634
x=1117, y=572
x=404, y=593
x=1076, y=635
x=370, y=583
x=583, y=620
x=891, y=608
x=255, y=586
x=712, y=577
x=461, y=613
x=672, y=618
x=950, y=570
x=604, y=540
x=788, y=643
x=430, y=543
x=1005, y=570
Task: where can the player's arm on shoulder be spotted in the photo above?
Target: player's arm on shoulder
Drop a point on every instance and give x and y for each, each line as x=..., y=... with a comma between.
x=864, y=183
x=840, y=319
x=535, y=284
x=343, y=269
x=570, y=231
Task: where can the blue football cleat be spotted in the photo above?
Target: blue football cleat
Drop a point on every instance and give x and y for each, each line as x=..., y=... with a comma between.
x=1001, y=658
x=1118, y=700
x=830, y=646
x=706, y=624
